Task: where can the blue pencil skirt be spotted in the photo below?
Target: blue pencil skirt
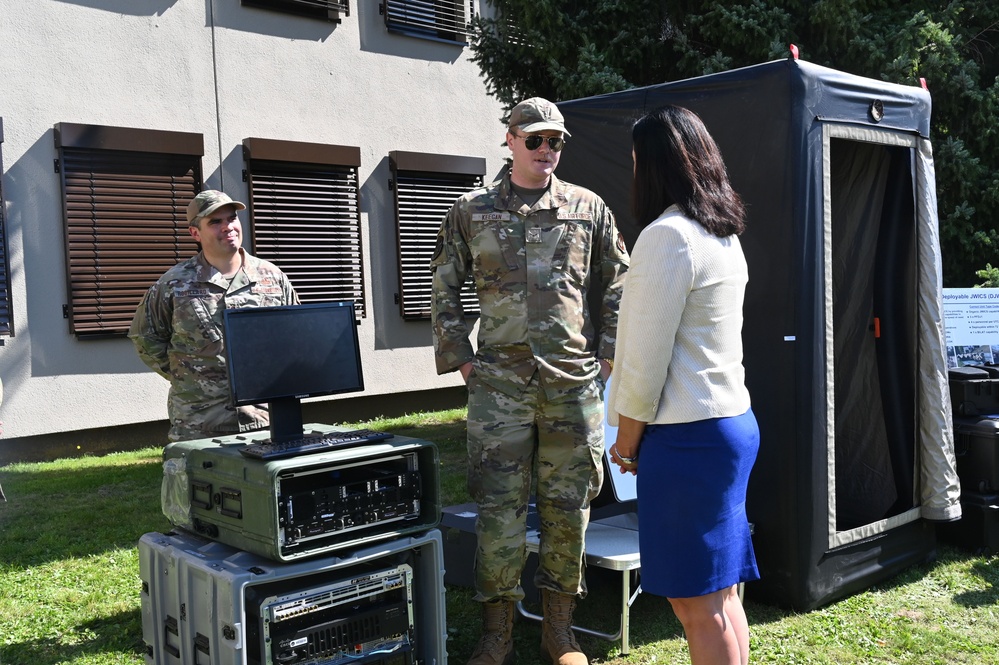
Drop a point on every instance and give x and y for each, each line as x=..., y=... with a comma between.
x=693, y=531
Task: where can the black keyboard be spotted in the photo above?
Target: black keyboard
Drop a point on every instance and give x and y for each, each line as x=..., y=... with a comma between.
x=321, y=443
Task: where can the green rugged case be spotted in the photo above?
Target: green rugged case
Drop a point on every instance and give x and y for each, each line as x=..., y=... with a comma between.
x=211, y=489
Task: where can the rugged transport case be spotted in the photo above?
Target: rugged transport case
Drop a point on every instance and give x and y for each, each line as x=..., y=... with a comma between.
x=205, y=603
x=976, y=446
x=302, y=506
x=973, y=391
x=978, y=528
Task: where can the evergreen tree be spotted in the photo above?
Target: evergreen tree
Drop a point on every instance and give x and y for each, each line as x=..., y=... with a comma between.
x=567, y=49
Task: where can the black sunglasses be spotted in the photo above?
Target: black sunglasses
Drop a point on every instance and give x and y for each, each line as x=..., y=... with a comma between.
x=534, y=141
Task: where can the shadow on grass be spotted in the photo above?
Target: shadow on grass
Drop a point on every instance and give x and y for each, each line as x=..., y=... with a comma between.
x=60, y=513
x=651, y=623
x=119, y=633
x=944, y=556
x=988, y=571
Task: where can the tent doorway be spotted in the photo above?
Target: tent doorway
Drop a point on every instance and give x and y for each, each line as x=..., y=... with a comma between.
x=871, y=295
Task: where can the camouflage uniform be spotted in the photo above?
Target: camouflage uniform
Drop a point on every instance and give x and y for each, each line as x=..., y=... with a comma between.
x=534, y=401
x=177, y=330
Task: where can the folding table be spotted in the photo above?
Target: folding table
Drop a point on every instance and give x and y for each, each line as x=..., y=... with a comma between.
x=611, y=543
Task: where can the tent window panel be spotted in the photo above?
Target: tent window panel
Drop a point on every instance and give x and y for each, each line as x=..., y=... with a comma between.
x=6, y=303
x=126, y=224
x=422, y=199
x=306, y=219
x=326, y=10
x=439, y=20
x=874, y=328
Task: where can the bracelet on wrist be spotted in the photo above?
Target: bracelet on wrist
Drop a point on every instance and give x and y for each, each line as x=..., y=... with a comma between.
x=626, y=460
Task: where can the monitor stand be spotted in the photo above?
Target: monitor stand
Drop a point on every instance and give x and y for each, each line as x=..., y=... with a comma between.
x=286, y=419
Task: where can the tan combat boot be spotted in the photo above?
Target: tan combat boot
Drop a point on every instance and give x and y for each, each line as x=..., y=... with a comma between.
x=495, y=647
x=558, y=644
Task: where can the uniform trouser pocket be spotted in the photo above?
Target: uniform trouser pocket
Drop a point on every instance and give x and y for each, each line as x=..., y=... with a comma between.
x=509, y=438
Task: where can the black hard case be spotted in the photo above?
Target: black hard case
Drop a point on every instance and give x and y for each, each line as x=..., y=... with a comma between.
x=976, y=445
x=973, y=391
x=978, y=528
x=460, y=544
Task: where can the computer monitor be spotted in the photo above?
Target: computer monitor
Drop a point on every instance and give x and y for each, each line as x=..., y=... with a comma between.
x=281, y=355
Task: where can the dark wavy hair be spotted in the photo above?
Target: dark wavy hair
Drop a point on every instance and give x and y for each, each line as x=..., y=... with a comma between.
x=677, y=161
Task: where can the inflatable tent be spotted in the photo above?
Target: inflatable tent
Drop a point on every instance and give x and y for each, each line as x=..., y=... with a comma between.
x=844, y=340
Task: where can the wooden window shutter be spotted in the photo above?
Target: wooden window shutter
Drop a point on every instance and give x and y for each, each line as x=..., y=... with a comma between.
x=306, y=217
x=125, y=196
x=426, y=186
x=6, y=305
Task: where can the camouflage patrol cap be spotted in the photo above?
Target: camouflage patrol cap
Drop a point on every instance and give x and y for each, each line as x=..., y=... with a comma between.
x=207, y=202
x=536, y=114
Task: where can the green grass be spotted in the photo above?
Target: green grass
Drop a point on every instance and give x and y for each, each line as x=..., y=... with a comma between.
x=69, y=583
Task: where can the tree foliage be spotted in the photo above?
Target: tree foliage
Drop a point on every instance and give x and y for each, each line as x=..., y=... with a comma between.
x=567, y=49
x=990, y=275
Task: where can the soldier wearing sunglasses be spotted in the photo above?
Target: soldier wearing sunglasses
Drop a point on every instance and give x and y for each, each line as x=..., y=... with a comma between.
x=539, y=252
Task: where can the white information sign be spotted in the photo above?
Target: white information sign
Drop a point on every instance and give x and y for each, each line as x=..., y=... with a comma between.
x=971, y=324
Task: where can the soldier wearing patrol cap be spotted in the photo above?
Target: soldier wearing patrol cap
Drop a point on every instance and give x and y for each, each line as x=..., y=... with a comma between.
x=535, y=247
x=177, y=328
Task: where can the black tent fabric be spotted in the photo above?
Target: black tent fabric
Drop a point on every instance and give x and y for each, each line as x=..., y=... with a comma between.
x=843, y=333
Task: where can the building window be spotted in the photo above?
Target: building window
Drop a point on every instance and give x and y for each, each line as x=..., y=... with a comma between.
x=6, y=309
x=327, y=10
x=440, y=20
x=425, y=188
x=305, y=216
x=125, y=195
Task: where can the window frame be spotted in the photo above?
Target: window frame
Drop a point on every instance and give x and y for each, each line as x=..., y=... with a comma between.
x=125, y=219
x=416, y=233
x=317, y=171
x=332, y=11
x=6, y=299
x=412, y=18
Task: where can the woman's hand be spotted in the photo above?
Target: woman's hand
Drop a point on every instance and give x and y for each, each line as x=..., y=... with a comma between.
x=624, y=452
x=626, y=463
x=606, y=367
